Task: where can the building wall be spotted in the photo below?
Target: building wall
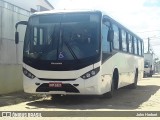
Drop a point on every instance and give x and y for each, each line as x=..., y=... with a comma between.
x=28, y=4
x=9, y=16
x=10, y=53
x=10, y=78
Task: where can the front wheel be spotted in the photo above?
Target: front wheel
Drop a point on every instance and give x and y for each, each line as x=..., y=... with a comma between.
x=110, y=93
x=134, y=85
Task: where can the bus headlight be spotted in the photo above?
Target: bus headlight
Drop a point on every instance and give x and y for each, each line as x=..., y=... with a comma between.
x=90, y=73
x=28, y=74
x=93, y=72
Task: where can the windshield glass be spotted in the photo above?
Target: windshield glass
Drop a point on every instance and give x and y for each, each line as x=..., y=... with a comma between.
x=146, y=64
x=62, y=36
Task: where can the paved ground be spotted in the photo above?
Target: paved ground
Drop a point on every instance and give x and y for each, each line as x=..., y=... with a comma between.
x=145, y=98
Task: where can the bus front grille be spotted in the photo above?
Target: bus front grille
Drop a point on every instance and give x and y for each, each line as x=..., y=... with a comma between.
x=65, y=87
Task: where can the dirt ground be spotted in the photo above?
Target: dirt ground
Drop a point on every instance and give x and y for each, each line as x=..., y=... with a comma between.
x=146, y=97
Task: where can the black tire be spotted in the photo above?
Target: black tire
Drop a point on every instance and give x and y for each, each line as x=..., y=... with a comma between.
x=150, y=74
x=144, y=75
x=134, y=85
x=110, y=93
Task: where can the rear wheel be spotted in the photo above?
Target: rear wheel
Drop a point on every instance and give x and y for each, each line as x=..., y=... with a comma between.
x=134, y=85
x=150, y=74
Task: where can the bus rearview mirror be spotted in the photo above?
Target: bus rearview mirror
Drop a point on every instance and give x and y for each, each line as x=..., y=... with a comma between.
x=16, y=37
x=110, y=36
x=16, y=33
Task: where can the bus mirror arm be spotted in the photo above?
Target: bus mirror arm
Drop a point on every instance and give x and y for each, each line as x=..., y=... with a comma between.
x=17, y=33
x=21, y=23
x=110, y=36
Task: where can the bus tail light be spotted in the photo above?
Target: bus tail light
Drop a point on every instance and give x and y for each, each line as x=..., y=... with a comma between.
x=28, y=74
x=90, y=73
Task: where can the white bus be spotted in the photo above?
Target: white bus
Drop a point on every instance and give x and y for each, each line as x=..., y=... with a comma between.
x=79, y=53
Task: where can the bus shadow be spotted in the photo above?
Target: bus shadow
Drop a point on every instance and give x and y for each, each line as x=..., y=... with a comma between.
x=16, y=98
x=123, y=99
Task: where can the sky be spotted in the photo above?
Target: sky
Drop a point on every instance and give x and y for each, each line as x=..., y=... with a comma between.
x=140, y=16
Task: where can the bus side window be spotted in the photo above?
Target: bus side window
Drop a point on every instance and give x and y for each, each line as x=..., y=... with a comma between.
x=139, y=47
x=130, y=47
x=142, y=45
x=116, y=37
x=124, y=42
x=135, y=46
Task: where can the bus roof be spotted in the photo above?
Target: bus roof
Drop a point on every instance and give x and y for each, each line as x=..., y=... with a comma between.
x=85, y=10
x=64, y=11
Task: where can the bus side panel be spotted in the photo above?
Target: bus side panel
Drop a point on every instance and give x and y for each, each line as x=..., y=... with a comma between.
x=126, y=65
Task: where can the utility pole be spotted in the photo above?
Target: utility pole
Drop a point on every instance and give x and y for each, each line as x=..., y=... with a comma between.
x=148, y=45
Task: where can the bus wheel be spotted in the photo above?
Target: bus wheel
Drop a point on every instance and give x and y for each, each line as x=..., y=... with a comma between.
x=150, y=74
x=110, y=93
x=114, y=85
x=134, y=85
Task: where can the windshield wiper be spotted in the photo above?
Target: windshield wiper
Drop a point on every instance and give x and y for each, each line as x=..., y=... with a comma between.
x=71, y=51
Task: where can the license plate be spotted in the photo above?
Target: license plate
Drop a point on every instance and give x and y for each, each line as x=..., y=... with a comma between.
x=55, y=85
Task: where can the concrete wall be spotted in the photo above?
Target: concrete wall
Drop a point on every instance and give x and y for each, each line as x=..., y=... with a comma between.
x=10, y=78
x=28, y=4
x=11, y=54
x=8, y=52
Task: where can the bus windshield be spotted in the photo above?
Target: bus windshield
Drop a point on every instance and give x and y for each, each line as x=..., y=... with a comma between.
x=62, y=36
x=146, y=64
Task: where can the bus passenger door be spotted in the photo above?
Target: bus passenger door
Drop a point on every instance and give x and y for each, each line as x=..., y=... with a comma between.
x=106, y=54
x=106, y=47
